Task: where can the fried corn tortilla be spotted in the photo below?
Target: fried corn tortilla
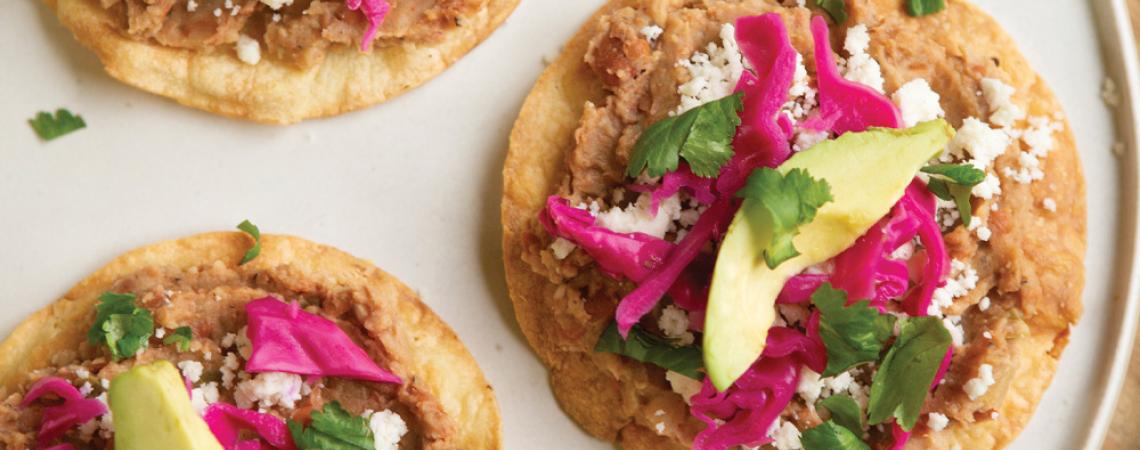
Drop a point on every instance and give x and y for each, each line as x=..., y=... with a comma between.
x=196, y=281
x=315, y=70
x=573, y=138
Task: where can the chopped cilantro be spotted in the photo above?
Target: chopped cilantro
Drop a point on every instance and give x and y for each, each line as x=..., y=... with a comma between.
x=900, y=386
x=49, y=127
x=120, y=324
x=252, y=230
x=845, y=412
x=180, y=337
x=702, y=135
x=831, y=436
x=790, y=201
x=955, y=182
x=645, y=347
x=836, y=9
x=852, y=334
x=333, y=428
x=919, y=8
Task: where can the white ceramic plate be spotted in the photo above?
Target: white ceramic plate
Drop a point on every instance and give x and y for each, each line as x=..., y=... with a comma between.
x=414, y=185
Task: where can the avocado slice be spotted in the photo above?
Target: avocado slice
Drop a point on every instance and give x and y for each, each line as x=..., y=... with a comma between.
x=151, y=409
x=868, y=173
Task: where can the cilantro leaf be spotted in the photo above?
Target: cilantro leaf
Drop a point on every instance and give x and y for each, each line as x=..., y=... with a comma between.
x=852, y=334
x=333, y=428
x=954, y=182
x=252, y=230
x=702, y=135
x=845, y=412
x=836, y=9
x=919, y=8
x=180, y=337
x=49, y=127
x=900, y=386
x=645, y=347
x=120, y=324
x=831, y=436
x=791, y=201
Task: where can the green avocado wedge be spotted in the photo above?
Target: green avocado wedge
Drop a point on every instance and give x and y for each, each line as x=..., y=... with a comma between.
x=151, y=409
x=868, y=173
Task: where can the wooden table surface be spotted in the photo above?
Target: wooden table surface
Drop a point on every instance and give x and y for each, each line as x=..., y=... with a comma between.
x=1124, y=434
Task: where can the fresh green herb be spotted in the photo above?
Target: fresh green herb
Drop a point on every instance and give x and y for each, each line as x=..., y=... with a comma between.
x=831, y=436
x=955, y=182
x=120, y=324
x=49, y=127
x=180, y=337
x=790, y=201
x=250, y=228
x=702, y=135
x=852, y=334
x=845, y=412
x=903, y=380
x=919, y=8
x=648, y=348
x=836, y=9
x=333, y=428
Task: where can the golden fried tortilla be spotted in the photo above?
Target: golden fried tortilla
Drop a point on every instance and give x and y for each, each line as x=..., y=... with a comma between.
x=386, y=315
x=573, y=136
x=273, y=91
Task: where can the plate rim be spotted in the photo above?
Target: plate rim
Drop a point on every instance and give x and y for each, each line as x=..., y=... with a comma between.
x=1119, y=51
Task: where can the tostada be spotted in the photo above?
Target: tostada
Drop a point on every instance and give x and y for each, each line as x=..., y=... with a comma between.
x=219, y=341
x=845, y=225
x=279, y=61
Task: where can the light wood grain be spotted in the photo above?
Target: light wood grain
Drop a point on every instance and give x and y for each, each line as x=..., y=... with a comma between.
x=1124, y=434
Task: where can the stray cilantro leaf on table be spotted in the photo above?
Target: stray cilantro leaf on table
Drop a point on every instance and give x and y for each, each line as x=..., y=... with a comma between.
x=49, y=127
x=900, y=386
x=852, y=334
x=919, y=8
x=252, y=230
x=702, y=136
x=332, y=428
x=836, y=9
x=955, y=182
x=180, y=337
x=645, y=347
x=791, y=201
x=120, y=324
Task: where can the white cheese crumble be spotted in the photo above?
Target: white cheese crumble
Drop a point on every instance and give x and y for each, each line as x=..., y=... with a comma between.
x=562, y=248
x=953, y=324
x=978, y=386
x=191, y=6
x=860, y=67
x=228, y=340
x=979, y=141
x=651, y=32
x=217, y=12
x=86, y=389
x=387, y=428
x=277, y=4
x=660, y=427
x=984, y=303
x=192, y=370
x=987, y=335
x=269, y=389
x=160, y=332
x=999, y=96
x=811, y=387
x=636, y=218
x=82, y=372
x=204, y=396
x=917, y=102
x=937, y=421
x=674, y=323
x=989, y=188
x=1038, y=138
x=1049, y=204
x=713, y=73
x=802, y=97
x=806, y=139
x=248, y=50
x=785, y=435
x=963, y=278
x=229, y=370
x=684, y=386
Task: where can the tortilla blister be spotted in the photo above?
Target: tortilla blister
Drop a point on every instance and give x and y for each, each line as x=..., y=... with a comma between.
x=424, y=349
x=1032, y=267
x=273, y=91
